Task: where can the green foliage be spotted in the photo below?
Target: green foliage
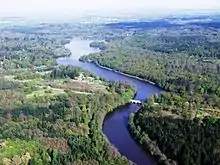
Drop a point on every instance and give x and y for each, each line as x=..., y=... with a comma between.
x=25, y=50
x=100, y=45
x=181, y=139
x=68, y=72
x=54, y=121
x=184, y=61
x=23, y=151
x=175, y=71
x=55, y=112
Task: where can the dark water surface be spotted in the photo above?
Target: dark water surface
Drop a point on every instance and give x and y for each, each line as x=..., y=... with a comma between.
x=115, y=124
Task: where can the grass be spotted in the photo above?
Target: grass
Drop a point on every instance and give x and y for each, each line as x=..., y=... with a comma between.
x=80, y=85
x=62, y=81
x=10, y=148
x=12, y=78
x=60, y=85
x=48, y=91
x=48, y=88
x=127, y=95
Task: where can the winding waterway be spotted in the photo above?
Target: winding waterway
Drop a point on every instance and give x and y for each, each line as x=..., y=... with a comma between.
x=115, y=124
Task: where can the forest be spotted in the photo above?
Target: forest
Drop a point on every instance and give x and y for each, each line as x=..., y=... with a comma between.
x=175, y=137
x=189, y=72
x=180, y=126
x=52, y=114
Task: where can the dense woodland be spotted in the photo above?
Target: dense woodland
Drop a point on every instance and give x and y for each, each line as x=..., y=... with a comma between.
x=181, y=125
x=178, y=137
x=52, y=114
x=180, y=71
x=18, y=50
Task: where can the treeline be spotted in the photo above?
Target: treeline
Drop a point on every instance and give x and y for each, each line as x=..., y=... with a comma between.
x=195, y=41
x=68, y=72
x=99, y=45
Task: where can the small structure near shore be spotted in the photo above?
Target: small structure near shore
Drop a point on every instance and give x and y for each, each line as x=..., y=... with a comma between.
x=135, y=101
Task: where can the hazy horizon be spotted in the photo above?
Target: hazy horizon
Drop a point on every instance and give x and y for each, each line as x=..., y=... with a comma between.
x=109, y=7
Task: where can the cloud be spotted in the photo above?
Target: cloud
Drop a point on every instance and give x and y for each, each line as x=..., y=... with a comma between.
x=80, y=6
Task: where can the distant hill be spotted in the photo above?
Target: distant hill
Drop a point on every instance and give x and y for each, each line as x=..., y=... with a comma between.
x=204, y=21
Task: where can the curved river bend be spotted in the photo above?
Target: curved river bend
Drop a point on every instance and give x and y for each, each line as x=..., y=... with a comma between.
x=115, y=124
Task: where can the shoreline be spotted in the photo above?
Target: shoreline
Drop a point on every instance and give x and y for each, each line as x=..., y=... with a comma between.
x=112, y=111
x=105, y=114
x=153, y=152
x=111, y=69
x=151, y=147
x=103, y=118
x=125, y=74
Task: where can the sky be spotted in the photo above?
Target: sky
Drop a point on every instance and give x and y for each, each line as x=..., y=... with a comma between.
x=43, y=7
